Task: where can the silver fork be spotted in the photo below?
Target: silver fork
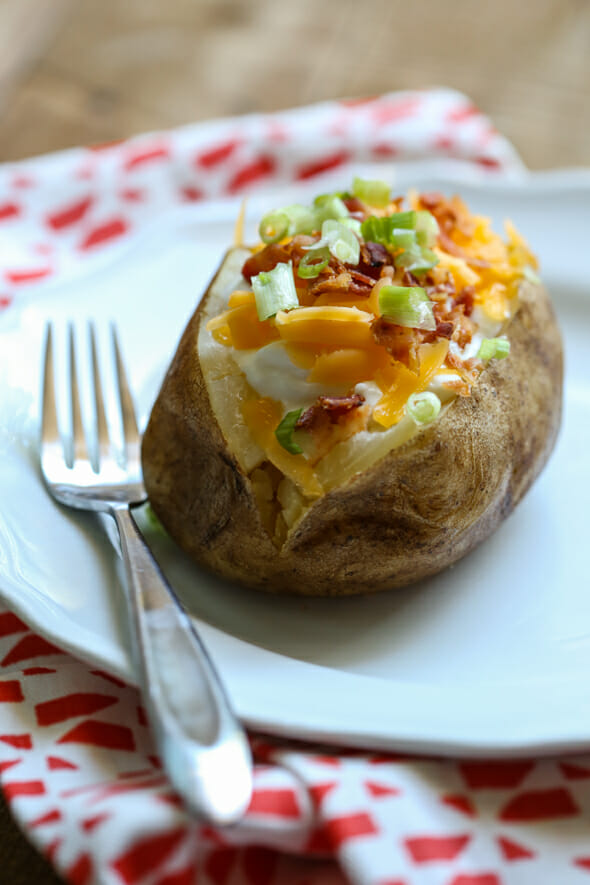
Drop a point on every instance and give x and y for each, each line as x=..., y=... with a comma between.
x=203, y=748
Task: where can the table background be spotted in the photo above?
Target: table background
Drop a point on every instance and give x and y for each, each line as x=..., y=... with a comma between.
x=83, y=71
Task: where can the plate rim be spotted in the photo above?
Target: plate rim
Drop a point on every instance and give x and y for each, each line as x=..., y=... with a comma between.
x=537, y=183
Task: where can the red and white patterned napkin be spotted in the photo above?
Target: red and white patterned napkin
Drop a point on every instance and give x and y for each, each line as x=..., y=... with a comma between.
x=76, y=761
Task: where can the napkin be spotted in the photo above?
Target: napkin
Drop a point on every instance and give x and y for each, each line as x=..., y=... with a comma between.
x=77, y=763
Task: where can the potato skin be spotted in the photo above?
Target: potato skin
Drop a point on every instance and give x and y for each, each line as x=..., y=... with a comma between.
x=417, y=510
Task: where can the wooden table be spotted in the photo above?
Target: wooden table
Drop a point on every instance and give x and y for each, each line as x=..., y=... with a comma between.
x=76, y=72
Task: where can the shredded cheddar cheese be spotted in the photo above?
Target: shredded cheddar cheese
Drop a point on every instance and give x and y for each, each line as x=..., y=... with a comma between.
x=336, y=340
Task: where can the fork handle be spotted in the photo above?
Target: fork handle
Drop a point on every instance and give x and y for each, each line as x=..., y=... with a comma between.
x=202, y=745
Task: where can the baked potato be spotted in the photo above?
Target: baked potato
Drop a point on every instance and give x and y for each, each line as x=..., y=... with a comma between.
x=360, y=399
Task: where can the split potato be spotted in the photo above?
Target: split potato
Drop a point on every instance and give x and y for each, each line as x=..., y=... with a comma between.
x=344, y=500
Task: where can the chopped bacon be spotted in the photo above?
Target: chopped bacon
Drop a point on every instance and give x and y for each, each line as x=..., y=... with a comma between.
x=464, y=327
x=339, y=278
x=460, y=387
x=402, y=343
x=265, y=260
x=452, y=248
x=409, y=279
x=441, y=290
x=374, y=256
x=466, y=297
x=362, y=279
x=467, y=369
x=334, y=408
x=332, y=419
x=355, y=206
x=431, y=200
x=443, y=329
x=449, y=221
x=339, y=283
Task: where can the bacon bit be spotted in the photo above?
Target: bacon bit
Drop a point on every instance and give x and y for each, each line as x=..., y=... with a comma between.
x=466, y=298
x=444, y=288
x=340, y=283
x=333, y=419
x=452, y=248
x=408, y=279
x=460, y=387
x=334, y=408
x=443, y=329
x=431, y=200
x=354, y=206
x=464, y=327
x=362, y=278
x=402, y=343
x=449, y=216
x=299, y=244
x=265, y=260
x=468, y=369
x=373, y=257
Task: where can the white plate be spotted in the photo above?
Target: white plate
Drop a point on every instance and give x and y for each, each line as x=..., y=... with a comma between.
x=492, y=656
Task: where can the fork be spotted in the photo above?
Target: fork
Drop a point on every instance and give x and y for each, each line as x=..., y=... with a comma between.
x=203, y=747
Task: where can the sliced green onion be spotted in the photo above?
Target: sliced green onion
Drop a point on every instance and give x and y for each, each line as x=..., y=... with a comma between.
x=380, y=230
x=302, y=219
x=273, y=227
x=407, y=306
x=274, y=290
x=423, y=407
x=531, y=275
x=403, y=239
x=284, y=432
x=417, y=260
x=341, y=241
x=312, y=264
x=375, y=230
x=427, y=229
x=329, y=206
x=493, y=349
x=373, y=193
x=353, y=223
x=403, y=219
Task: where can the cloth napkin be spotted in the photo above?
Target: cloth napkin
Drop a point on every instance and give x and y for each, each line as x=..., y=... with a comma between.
x=77, y=764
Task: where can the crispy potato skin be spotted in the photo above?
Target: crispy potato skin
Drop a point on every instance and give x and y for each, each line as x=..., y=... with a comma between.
x=422, y=507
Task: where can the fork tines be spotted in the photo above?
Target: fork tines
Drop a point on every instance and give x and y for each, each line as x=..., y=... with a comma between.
x=78, y=446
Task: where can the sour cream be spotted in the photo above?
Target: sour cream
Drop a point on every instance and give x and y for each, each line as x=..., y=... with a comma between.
x=271, y=373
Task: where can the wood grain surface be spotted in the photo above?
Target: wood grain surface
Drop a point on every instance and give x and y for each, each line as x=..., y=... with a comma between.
x=83, y=71
x=78, y=72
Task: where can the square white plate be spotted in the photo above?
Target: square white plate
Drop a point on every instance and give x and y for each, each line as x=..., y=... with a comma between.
x=490, y=657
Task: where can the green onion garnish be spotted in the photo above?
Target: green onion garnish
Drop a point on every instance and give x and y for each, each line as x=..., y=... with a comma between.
x=302, y=219
x=274, y=290
x=340, y=240
x=353, y=223
x=417, y=260
x=329, y=206
x=312, y=264
x=407, y=306
x=426, y=228
x=423, y=407
x=373, y=193
x=284, y=432
x=273, y=227
x=493, y=349
x=403, y=239
x=380, y=230
x=403, y=219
